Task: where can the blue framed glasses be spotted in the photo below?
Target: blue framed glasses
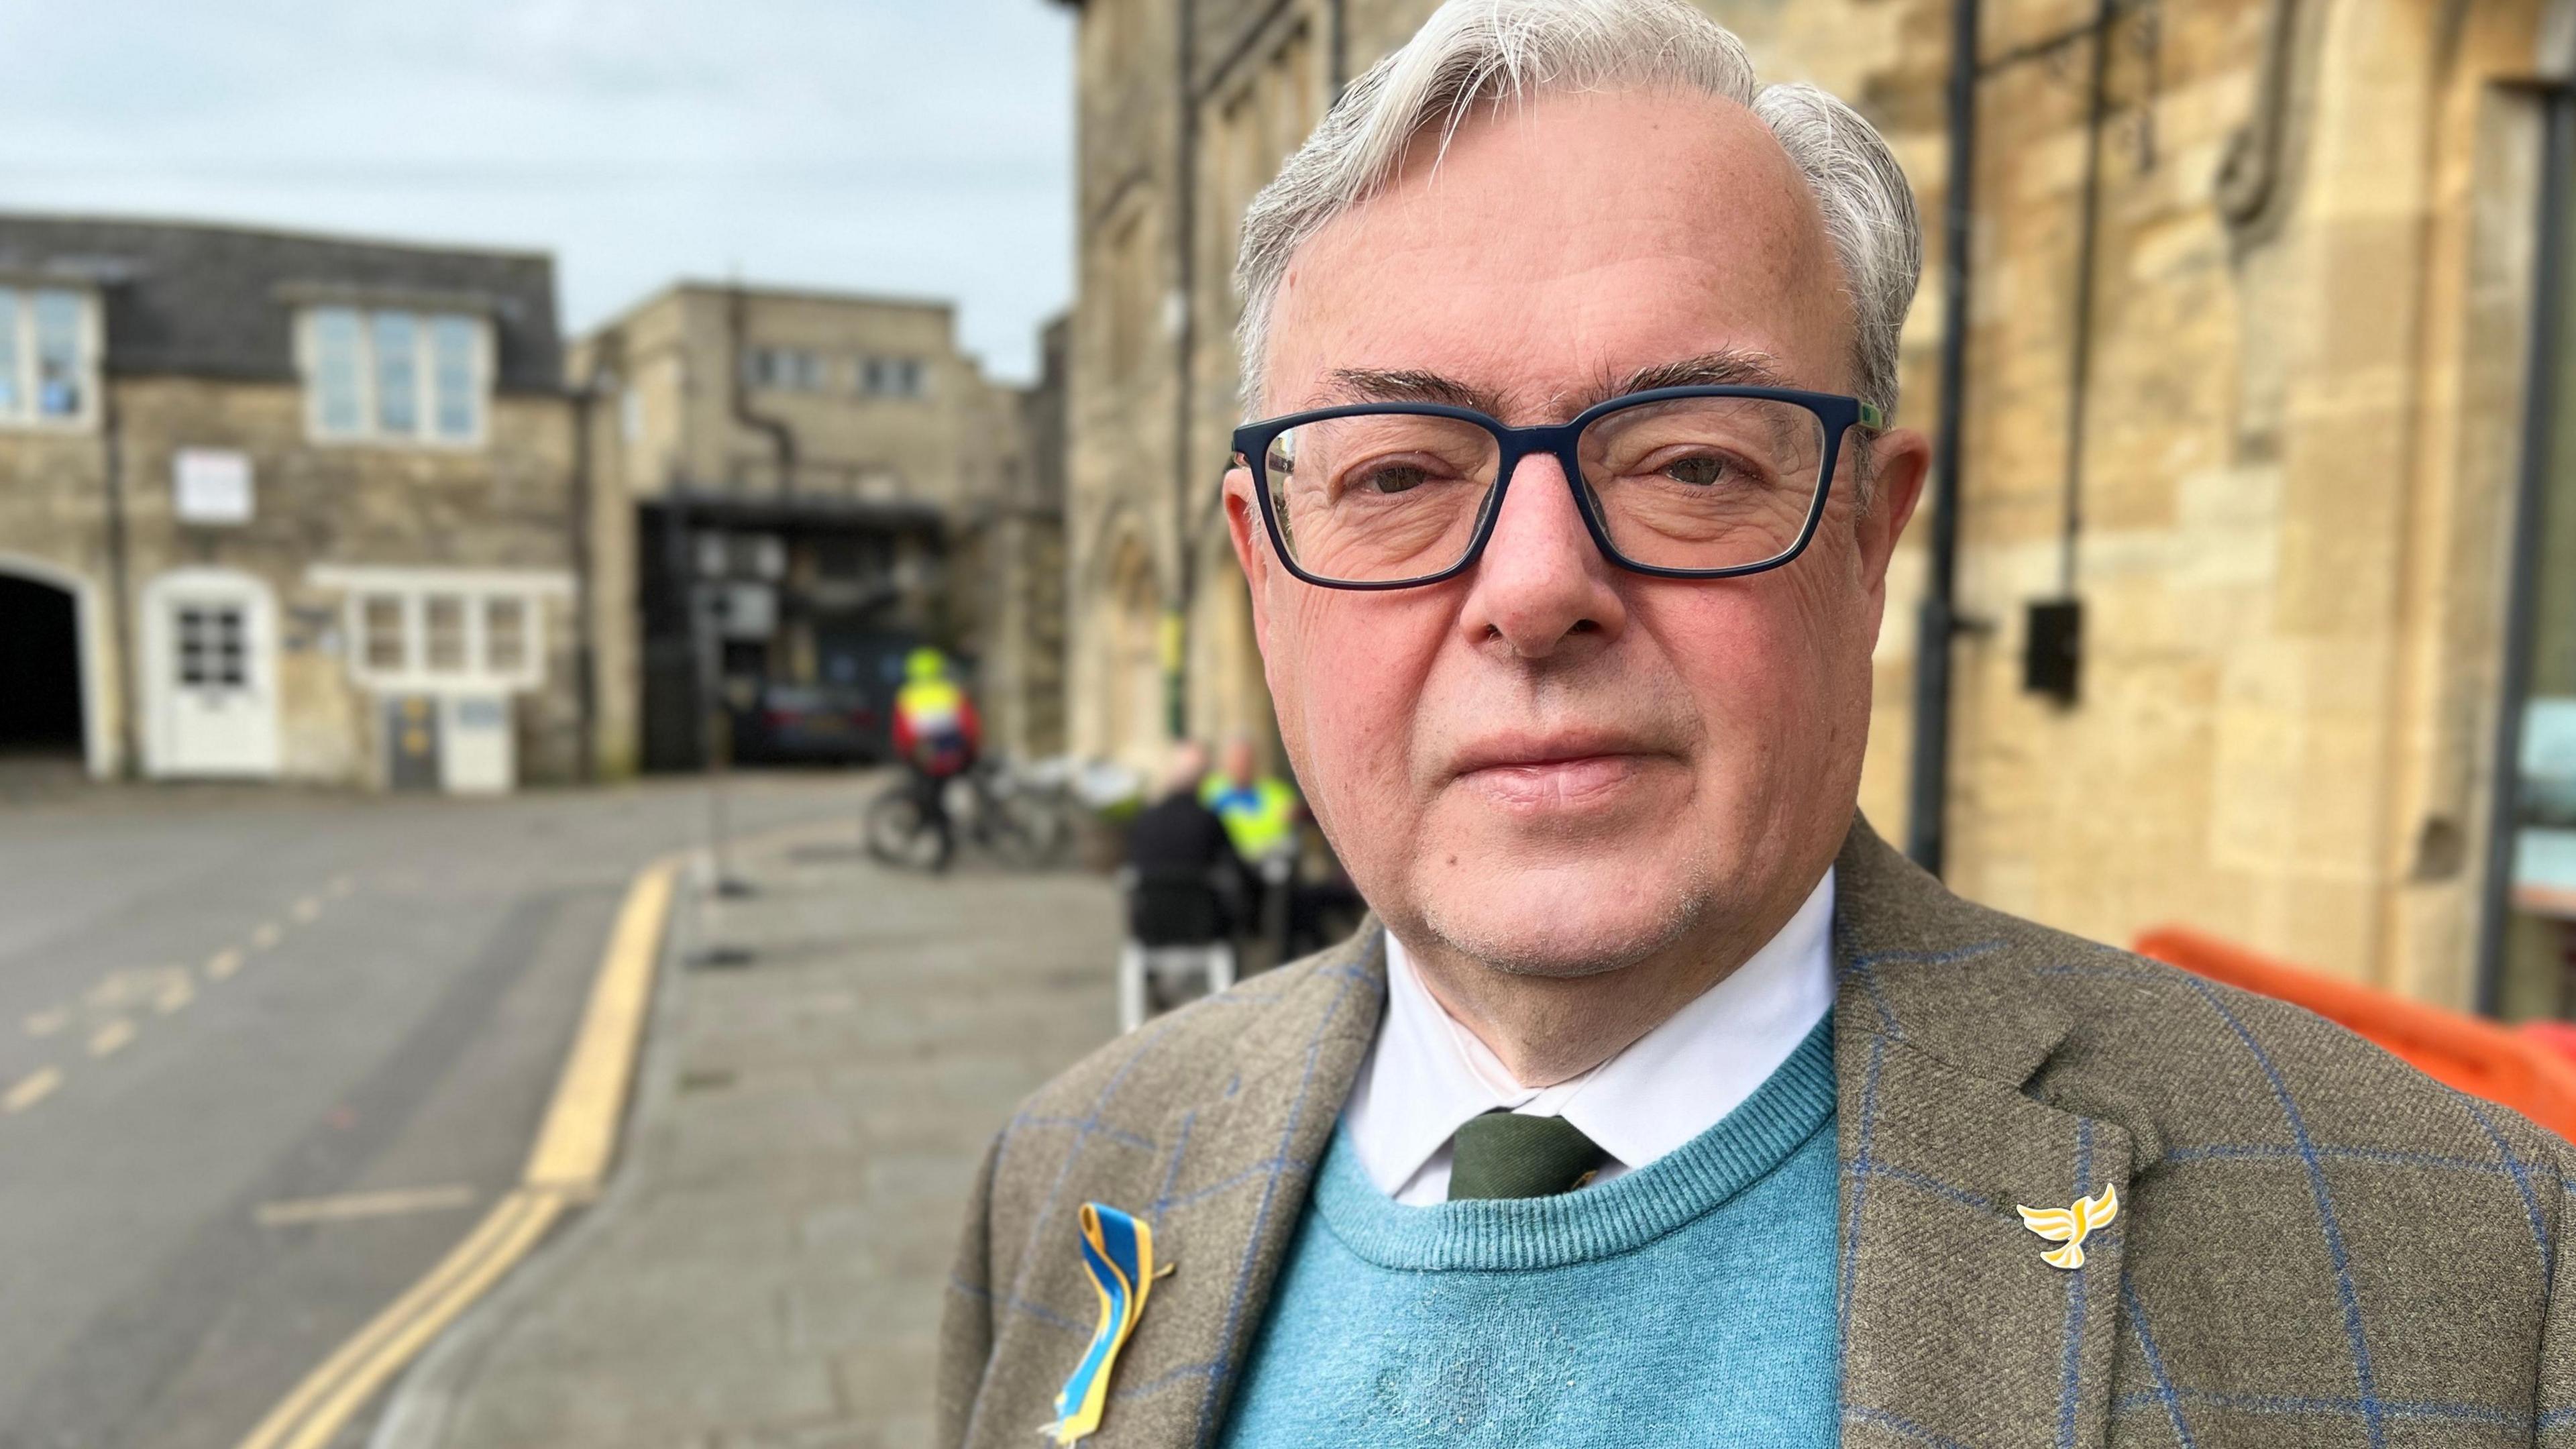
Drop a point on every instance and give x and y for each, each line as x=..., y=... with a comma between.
x=1678, y=482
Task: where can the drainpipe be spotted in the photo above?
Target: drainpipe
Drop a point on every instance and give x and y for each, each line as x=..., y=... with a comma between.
x=111, y=429
x=2079, y=373
x=1937, y=627
x=585, y=400
x=1341, y=52
x=2543, y=361
x=1176, y=623
x=782, y=438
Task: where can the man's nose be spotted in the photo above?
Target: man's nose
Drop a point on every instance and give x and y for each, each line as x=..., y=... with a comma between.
x=1541, y=581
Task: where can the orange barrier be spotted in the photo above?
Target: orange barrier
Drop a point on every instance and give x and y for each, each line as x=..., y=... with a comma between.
x=2558, y=1036
x=2523, y=1071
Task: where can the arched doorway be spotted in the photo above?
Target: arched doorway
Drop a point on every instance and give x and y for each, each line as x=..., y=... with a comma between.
x=43, y=713
x=1131, y=680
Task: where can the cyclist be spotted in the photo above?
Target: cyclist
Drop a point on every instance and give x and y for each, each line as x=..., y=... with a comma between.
x=937, y=735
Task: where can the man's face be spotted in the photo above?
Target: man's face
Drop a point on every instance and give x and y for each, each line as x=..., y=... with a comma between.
x=1548, y=763
x=1239, y=762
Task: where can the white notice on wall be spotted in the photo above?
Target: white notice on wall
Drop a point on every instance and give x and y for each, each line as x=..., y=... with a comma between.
x=211, y=485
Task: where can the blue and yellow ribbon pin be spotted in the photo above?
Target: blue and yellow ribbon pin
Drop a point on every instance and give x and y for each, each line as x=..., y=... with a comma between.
x=1119, y=1251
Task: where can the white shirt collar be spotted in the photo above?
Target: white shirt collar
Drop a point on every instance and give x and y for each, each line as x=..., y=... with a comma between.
x=1427, y=1074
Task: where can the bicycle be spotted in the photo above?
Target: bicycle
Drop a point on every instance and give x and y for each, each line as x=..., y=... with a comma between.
x=1021, y=818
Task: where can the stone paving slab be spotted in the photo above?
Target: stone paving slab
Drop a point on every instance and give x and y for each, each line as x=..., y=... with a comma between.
x=766, y=1270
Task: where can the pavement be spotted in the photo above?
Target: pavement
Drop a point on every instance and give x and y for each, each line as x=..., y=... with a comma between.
x=767, y=1267
x=267, y=1054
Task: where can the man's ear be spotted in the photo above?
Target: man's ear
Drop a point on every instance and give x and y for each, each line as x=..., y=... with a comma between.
x=1251, y=546
x=1898, y=460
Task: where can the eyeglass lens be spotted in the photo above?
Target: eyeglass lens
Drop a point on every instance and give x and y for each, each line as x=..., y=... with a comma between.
x=1687, y=483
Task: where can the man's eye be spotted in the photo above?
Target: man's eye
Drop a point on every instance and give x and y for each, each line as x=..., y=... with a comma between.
x=1704, y=471
x=1395, y=478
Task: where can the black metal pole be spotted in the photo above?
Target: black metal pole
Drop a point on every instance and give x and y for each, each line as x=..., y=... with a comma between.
x=1928, y=788
x=585, y=653
x=1341, y=47
x=2088, y=233
x=1176, y=678
x=2542, y=354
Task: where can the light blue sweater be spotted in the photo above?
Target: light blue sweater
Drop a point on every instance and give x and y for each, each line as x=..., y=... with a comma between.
x=1690, y=1302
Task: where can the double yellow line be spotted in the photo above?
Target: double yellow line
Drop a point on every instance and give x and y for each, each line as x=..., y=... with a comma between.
x=570, y=1160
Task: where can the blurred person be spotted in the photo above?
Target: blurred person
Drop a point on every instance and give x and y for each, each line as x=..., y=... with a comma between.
x=1190, y=885
x=1259, y=810
x=1660, y=1102
x=937, y=735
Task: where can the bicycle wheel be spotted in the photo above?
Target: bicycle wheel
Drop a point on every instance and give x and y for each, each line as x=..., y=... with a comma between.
x=1019, y=829
x=1046, y=828
x=896, y=834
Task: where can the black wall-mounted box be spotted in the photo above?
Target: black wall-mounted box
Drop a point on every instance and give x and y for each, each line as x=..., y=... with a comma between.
x=2052, y=661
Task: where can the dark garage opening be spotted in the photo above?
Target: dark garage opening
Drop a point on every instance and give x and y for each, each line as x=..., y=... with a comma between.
x=40, y=680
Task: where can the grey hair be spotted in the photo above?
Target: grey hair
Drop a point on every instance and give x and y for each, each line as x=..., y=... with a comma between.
x=1478, y=53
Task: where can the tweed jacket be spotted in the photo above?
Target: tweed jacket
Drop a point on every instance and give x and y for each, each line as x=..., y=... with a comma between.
x=2316, y=1244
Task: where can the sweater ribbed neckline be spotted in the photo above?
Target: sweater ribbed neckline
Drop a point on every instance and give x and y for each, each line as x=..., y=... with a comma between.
x=1619, y=1216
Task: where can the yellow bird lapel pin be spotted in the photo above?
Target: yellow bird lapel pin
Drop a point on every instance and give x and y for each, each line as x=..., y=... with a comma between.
x=2071, y=1225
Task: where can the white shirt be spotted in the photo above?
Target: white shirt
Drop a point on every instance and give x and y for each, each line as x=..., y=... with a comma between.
x=1427, y=1075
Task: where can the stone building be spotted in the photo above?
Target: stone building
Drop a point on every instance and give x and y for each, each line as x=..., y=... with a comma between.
x=289, y=507
x=2265, y=558
x=817, y=482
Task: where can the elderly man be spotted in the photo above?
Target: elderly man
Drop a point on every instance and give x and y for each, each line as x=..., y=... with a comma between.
x=1662, y=1103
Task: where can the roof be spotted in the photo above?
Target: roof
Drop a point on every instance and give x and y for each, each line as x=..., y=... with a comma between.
x=219, y=301
x=758, y=291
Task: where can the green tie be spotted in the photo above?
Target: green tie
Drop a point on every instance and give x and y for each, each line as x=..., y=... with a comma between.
x=1506, y=1154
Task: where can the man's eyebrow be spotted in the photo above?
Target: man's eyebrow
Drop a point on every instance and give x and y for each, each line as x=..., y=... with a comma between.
x=1727, y=367
x=1378, y=384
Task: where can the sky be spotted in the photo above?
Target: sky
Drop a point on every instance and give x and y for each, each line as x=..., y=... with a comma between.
x=912, y=147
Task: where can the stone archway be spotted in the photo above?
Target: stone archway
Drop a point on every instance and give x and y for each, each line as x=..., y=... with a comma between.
x=1130, y=678
x=53, y=706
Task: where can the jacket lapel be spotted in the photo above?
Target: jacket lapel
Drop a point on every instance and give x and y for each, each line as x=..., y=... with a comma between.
x=1228, y=1189
x=1954, y=1329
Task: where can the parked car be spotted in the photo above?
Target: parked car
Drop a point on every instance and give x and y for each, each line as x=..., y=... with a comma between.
x=814, y=724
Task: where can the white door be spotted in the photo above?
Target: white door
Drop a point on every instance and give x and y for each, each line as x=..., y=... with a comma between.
x=214, y=672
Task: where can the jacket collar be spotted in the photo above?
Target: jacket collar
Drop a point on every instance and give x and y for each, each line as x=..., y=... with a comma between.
x=1954, y=1328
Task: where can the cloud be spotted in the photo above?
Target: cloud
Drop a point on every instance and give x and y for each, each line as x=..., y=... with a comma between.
x=874, y=145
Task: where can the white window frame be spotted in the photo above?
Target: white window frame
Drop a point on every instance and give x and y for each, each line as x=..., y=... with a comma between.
x=477, y=589
x=23, y=414
x=484, y=368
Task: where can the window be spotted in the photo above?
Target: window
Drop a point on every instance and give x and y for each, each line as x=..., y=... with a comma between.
x=453, y=349
x=396, y=348
x=788, y=368
x=336, y=389
x=505, y=635
x=211, y=647
x=46, y=356
x=444, y=615
x=891, y=376
x=446, y=635
x=10, y=391
x=59, y=380
x=396, y=376
x=384, y=648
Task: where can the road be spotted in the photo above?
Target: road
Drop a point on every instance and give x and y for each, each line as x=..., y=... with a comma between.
x=265, y=1055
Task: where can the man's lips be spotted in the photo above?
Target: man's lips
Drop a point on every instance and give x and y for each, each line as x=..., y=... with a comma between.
x=1548, y=751
x=1554, y=773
